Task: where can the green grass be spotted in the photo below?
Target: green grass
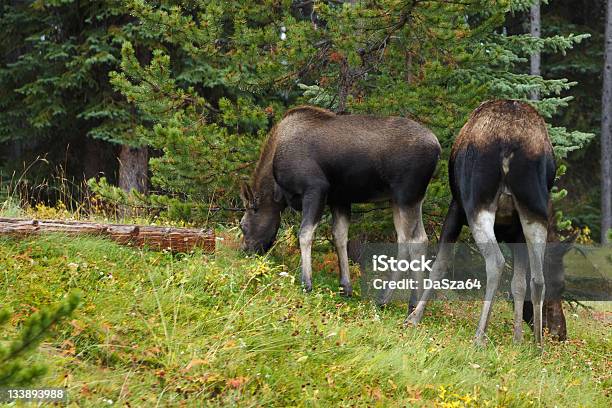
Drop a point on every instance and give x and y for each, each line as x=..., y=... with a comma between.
x=224, y=329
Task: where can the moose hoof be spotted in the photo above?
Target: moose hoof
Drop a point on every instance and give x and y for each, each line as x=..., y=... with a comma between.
x=411, y=321
x=480, y=341
x=346, y=291
x=307, y=287
x=518, y=337
x=381, y=304
x=539, y=345
x=383, y=301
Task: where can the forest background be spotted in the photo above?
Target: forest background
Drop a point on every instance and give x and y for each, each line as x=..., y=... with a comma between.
x=160, y=107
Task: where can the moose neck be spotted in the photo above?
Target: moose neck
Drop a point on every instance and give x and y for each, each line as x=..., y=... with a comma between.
x=263, y=186
x=263, y=178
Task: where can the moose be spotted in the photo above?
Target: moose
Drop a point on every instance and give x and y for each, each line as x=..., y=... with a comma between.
x=501, y=171
x=314, y=157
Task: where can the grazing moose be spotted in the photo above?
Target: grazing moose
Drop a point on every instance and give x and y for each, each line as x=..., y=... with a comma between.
x=501, y=171
x=314, y=157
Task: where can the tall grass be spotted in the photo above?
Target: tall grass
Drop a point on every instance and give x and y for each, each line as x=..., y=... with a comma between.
x=22, y=192
x=158, y=329
x=43, y=190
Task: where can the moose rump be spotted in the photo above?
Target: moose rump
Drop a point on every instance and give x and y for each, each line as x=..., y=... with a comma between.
x=317, y=158
x=501, y=172
x=503, y=150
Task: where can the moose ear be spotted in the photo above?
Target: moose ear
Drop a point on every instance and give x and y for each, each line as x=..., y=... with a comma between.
x=568, y=242
x=278, y=193
x=559, y=249
x=246, y=193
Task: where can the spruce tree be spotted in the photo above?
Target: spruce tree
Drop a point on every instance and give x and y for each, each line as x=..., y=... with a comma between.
x=54, y=86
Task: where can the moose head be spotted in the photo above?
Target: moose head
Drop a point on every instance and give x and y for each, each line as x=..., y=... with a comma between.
x=261, y=219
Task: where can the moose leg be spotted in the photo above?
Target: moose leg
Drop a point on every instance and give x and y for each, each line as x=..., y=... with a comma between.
x=412, y=218
x=553, y=318
x=418, y=250
x=402, y=253
x=535, y=232
x=482, y=224
x=313, y=203
x=340, y=227
x=455, y=219
x=519, y=287
x=411, y=240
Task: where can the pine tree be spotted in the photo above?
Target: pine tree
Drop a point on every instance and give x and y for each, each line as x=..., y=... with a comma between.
x=211, y=88
x=202, y=82
x=221, y=74
x=14, y=372
x=581, y=64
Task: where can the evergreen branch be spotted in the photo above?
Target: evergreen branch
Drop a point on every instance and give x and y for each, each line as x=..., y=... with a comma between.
x=12, y=371
x=38, y=325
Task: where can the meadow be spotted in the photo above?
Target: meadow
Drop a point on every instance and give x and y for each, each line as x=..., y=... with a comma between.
x=224, y=329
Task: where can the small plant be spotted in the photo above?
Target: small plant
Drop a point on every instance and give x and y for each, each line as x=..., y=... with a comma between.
x=263, y=268
x=449, y=398
x=583, y=235
x=59, y=211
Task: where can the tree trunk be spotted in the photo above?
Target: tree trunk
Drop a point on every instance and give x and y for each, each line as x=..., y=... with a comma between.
x=133, y=162
x=535, y=23
x=408, y=76
x=97, y=158
x=606, y=132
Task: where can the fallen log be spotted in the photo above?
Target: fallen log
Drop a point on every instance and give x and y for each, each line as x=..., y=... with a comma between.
x=159, y=238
